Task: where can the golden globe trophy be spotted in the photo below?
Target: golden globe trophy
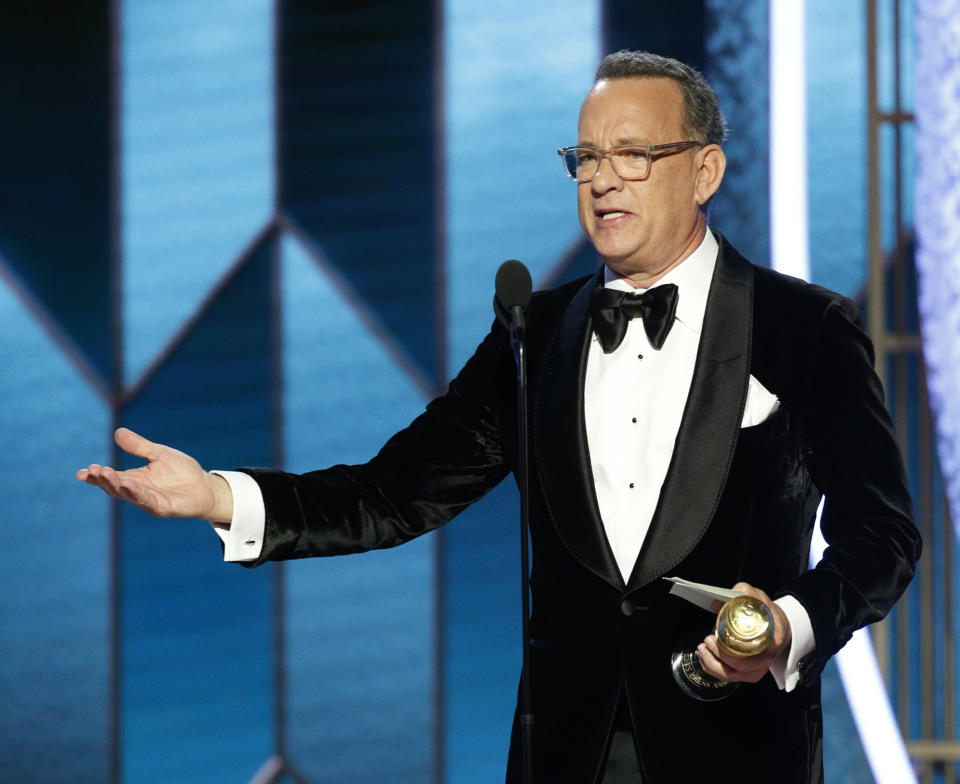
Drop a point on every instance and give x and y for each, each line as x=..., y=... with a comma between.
x=744, y=628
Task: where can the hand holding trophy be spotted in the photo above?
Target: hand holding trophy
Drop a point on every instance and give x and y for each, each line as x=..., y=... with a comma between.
x=744, y=627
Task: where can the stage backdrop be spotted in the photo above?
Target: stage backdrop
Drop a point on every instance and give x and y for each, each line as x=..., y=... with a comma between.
x=266, y=233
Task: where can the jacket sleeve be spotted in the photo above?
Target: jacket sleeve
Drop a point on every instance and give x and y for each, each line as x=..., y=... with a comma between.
x=447, y=458
x=867, y=519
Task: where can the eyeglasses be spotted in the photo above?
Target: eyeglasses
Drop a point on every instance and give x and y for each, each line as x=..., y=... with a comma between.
x=629, y=163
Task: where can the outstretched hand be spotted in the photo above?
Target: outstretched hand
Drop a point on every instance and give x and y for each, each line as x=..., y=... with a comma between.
x=747, y=668
x=172, y=484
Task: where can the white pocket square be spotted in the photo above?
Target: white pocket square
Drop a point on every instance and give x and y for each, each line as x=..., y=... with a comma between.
x=761, y=404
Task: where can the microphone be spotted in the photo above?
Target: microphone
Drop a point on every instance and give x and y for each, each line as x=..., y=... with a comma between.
x=513, y=288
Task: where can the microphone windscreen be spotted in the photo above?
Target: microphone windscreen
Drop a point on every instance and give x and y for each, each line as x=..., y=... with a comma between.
x=513, y=285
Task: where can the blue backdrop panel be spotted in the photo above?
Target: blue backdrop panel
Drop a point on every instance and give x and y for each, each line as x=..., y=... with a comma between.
x=196, y=634
x=482, y=636
x=836, y=144
x=512, y=94
x=197, y=155
x=736, y=62
x=357, y=149
x=54, y=564
x=54, y=203
x=360, y=630
x=671, y=29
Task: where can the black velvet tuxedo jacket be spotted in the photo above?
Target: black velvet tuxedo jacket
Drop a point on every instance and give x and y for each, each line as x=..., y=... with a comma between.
x=737, y=504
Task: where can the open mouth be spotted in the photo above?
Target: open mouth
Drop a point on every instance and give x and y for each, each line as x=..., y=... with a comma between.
x=609, y=215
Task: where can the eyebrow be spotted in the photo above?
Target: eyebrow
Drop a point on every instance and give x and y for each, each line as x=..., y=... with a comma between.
x=621, y=142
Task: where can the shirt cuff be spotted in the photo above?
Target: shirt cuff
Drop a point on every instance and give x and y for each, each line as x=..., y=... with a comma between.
x=243, y=538
x=785, y=669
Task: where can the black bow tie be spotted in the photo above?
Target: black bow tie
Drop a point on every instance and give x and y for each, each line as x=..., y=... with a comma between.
x=612, y=310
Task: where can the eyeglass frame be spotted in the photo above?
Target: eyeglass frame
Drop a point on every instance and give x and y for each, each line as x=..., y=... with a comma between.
x=648, y=149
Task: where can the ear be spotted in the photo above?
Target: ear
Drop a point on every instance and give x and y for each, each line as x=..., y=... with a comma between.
x=712, y=164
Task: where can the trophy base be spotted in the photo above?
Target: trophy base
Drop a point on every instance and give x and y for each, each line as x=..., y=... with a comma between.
x=694, y=682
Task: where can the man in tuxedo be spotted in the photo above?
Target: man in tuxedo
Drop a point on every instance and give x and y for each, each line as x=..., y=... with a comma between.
x=688, y=412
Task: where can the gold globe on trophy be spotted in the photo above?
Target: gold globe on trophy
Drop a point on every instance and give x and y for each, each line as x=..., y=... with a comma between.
x=744, y=627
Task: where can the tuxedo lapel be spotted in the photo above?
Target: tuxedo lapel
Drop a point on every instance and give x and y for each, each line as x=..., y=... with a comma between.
x=560, y=442
x=710, y=425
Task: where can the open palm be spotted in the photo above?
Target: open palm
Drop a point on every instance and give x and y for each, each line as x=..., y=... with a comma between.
x=172, y=484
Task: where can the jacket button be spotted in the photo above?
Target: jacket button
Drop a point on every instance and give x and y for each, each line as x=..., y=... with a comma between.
x=632, y=607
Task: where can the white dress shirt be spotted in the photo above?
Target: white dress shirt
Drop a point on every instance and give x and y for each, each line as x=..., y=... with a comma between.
x=633, y=403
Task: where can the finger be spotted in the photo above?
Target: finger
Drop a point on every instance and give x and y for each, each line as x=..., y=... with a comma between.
x=108, y=479
x=125, y=488
x=714, y=666
x=746, y=588
x=736, y=664
x=136, y=444
x=751, y=590
x=94, y=470
x=711, y=644
x=95, y=475
x=748, y=670
x=119, y=485
x=90, y=474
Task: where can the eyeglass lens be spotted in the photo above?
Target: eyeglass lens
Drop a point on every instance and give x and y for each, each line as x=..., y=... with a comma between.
x=583, y=164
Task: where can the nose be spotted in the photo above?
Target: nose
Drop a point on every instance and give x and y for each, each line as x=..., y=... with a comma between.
x=606, y=178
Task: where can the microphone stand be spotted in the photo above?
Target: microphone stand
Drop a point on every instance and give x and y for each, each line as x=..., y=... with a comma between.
x=517, y=340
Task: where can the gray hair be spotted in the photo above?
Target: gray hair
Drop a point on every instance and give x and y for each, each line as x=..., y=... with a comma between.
x=702, y=118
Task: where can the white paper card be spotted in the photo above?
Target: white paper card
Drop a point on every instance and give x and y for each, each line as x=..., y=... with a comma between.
x=699, y=594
